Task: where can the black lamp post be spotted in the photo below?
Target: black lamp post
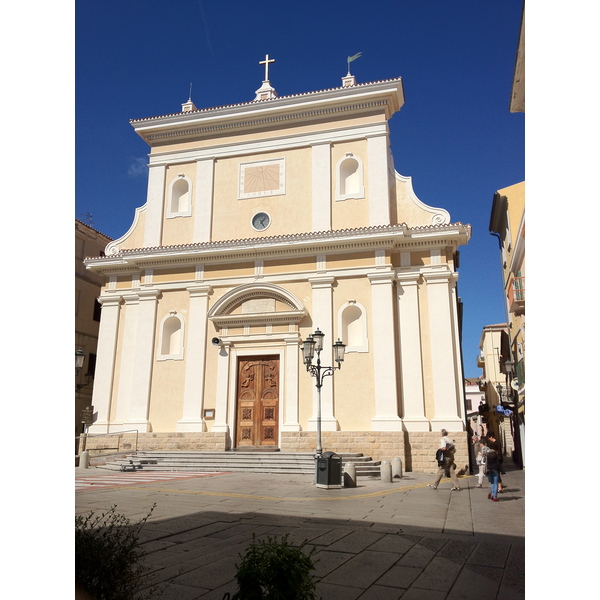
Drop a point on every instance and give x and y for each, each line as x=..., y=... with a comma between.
x=79, y=358
x=509, y=366
x=314, y=343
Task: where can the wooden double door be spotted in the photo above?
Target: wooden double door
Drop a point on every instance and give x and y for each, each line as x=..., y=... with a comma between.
x=258, y=402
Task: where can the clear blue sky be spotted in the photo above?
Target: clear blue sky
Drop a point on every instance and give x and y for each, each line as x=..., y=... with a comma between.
x=454, y=136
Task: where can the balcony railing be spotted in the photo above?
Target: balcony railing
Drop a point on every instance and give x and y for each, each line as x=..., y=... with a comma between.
x=516, y=295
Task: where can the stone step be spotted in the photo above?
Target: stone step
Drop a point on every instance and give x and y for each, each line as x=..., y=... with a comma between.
x=257, y=462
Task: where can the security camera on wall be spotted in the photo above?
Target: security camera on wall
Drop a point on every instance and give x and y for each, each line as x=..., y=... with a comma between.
x=216, y=341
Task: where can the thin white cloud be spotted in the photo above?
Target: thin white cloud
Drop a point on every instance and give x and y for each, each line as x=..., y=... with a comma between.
x=138, y=167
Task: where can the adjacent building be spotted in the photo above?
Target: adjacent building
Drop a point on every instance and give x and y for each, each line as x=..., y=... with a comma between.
x=507, y=223
x=495, y=414
x=88, y=242
x=265, y=221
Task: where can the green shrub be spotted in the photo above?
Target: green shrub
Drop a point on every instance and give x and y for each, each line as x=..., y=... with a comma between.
x=108, y=556
x=272, y=570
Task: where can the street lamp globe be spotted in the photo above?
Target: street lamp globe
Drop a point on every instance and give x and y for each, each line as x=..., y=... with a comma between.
x=338, y=351
x=79, y=358
x=308, y=350
x=318, y=336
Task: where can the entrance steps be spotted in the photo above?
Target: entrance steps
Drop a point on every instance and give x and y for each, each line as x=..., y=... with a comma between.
x=248, y=462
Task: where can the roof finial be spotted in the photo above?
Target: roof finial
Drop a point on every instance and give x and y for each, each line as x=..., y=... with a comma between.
x=351, y=58
x=350, y=79
x=266, y=62
x=188, y=106
x=266, y=91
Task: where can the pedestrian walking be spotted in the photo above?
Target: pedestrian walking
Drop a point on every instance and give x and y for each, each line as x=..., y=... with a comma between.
x=492, y=438
x=493, y=466
x=445, y=458
x=480, y=459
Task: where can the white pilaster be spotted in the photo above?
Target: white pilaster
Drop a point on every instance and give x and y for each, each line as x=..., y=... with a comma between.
x=126, y=362
x=195, y=361
x=203, y=200
x=154, y=206
x=143, y=361
x=292, y=366
x=384, y=353
x=322, y=318
x=105, y=364
x=460, y=388
x=222, y=391
x=379, y=202
x=444, y=351
x=411, y=359
x=321, y=187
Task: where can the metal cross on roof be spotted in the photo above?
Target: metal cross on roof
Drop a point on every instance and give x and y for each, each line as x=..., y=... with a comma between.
x=266, y=63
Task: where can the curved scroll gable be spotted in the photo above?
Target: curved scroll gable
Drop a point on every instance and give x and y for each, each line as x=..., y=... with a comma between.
x=117, y=245
x=411, y=210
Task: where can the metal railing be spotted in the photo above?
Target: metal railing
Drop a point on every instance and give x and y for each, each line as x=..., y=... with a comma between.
x=85, y=436
x=516, y=290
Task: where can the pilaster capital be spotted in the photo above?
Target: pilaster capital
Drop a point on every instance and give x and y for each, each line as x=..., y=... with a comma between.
x=145, y=295
x=321, y=282
x=382, y=277
x=131, y=298
x=199, y=291
x=408, y=279
x=141, y=296
x=109, y=301
x=440, y=277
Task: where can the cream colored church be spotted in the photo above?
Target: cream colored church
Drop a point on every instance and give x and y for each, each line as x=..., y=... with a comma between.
x=264, y=221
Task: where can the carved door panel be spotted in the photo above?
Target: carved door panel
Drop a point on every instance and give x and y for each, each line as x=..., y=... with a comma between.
x=257, y=402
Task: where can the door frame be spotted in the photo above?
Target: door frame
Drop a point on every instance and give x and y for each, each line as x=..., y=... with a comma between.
x=288, y=394
x=257, y=357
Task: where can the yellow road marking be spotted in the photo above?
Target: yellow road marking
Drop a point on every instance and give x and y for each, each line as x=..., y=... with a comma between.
x=386, y=492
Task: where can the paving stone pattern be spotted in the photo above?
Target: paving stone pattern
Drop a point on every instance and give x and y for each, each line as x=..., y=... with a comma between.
x=374, y=542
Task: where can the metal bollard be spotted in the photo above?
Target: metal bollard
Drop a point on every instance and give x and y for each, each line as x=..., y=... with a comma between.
x=84, y=459
x=349, y=475
x=396, y=468
x=386, y=471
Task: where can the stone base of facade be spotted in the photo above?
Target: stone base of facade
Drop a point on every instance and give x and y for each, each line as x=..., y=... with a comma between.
x=416, y=449
x=167, y=441
x=421, y=447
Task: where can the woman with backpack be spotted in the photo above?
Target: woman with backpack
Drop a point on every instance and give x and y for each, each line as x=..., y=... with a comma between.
x=445, y=458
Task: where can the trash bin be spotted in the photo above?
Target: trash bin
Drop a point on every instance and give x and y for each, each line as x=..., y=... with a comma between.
x=329, y=470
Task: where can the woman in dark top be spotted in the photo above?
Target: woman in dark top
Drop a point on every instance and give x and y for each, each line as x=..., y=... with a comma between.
x=493, y=463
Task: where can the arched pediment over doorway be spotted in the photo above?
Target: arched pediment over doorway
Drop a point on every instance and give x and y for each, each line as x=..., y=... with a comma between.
x=257, y=304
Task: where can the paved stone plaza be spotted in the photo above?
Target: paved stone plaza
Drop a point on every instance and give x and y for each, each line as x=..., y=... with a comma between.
x=374, y=542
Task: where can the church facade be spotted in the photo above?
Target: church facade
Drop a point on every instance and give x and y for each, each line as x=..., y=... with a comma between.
x=263, y=222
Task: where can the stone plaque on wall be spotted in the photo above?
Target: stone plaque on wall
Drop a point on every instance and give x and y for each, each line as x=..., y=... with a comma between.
x=87, y=415
x=259, y=305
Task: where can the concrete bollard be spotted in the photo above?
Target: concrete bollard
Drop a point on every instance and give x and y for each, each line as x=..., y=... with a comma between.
x=396, y=468
x=84, y=459
x=349, y=475
x=386, y=471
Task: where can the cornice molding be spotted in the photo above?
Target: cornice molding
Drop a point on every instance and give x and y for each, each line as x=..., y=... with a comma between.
x=240, y=320
x=387, y=94
x=301, y=244
x=262, y=122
